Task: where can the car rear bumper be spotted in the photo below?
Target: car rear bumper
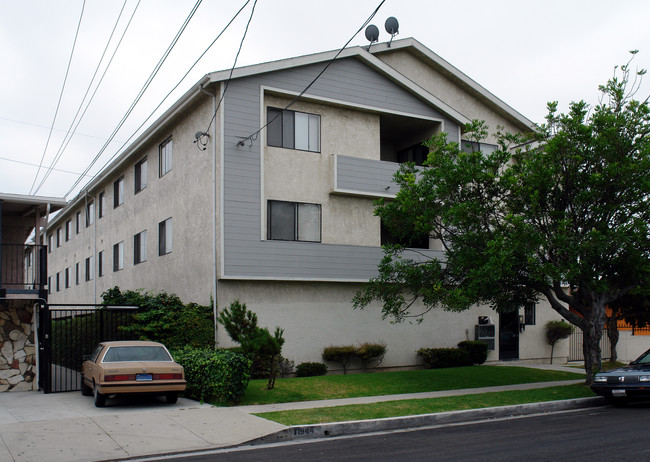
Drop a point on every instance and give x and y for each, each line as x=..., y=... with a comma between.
x=163, y=387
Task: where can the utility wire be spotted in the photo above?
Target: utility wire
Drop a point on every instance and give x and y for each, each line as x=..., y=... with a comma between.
x=56, y=112
x=140, y=94
x=71, y=131
x=7, y=159
x=253, y=136
x=232, y=69
x=172, y=90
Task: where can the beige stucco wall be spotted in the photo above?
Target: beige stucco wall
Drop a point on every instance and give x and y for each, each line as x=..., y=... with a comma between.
x=316, y=315
x=303, y=176
x=439, y=84
x=184, y=194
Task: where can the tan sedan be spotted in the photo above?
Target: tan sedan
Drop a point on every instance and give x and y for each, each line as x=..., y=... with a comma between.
x=131, y=367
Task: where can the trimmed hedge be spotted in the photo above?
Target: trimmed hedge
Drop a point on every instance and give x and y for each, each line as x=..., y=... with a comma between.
x=340, y=354
x=214, y=375
x=435, y=358
x=310, y=369
x=478, y=350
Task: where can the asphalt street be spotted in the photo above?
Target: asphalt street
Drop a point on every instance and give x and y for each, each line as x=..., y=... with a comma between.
x=598, y=434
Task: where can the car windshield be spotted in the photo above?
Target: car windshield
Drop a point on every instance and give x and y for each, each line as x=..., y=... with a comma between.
x=644, y=358
x=136, y=353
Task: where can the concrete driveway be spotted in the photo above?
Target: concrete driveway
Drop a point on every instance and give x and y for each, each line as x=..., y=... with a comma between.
x=68, y=427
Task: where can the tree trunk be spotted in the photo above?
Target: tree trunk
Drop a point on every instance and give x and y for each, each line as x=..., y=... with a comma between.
x=592, y=334
x=552, y=348
x=613, y=334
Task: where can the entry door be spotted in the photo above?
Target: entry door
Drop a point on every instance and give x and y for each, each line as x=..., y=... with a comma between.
x=509, y=335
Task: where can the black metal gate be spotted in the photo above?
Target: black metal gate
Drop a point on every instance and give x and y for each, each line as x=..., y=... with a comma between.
x=68, y=332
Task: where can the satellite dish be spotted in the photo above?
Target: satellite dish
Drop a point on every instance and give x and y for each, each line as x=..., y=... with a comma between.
x=392, y=27
x=372, y=34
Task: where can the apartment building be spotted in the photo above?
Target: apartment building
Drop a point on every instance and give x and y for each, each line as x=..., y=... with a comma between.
x=231, y=194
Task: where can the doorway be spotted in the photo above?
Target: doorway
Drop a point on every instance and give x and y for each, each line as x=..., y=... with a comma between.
x=509, y=335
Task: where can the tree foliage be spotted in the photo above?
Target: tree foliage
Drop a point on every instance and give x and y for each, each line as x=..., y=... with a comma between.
x=562, y=214
x=257, y=343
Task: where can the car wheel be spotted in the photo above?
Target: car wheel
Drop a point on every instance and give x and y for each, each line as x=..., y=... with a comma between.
x=100, y=399
x=171, y=398
x=85, y=389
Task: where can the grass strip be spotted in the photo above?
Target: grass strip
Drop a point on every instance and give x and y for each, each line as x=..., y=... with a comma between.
x=396, y=382
x=425, y=406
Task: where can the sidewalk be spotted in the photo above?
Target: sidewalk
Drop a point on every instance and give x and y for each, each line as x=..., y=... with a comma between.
x=68, y=427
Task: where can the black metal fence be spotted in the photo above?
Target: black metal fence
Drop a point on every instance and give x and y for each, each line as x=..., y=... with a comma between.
x=575, y=346
x=23, y=267
x=67, y=333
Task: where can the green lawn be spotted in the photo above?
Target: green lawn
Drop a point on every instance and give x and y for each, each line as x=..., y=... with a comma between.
x=398, y=382
x=425, y=406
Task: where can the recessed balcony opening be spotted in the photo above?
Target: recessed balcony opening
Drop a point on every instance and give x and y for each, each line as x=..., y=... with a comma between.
x=401, y=138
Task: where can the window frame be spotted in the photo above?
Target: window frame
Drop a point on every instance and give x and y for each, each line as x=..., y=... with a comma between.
x=140, y=247
x=118, y=192
x=68, y=230
x=165, y=237
x=283, y=131
x=165, y=156
x=90, y=213
x=296, y=221
x=78, y=221
x=90, y=269
x=101, y=205
x=141, y=172
x=118, y=256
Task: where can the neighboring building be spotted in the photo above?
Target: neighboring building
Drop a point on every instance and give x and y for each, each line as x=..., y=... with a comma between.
x=282, y=218
x=23, y=281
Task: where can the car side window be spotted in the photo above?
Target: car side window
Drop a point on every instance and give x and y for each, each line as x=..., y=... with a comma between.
x=95, y=354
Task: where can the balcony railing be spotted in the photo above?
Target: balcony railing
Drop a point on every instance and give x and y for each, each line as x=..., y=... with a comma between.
x=23, y=267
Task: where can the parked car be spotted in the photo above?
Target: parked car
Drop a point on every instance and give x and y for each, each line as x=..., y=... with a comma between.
x=631, y=381
x=131, y=367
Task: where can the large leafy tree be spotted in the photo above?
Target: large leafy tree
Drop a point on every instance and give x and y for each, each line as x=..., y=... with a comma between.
x=562, y=214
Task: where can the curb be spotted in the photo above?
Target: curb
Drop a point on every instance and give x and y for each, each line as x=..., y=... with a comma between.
x=329, y=430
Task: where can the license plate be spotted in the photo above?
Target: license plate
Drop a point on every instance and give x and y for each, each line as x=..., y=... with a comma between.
x=143, y=377
x=618, y=393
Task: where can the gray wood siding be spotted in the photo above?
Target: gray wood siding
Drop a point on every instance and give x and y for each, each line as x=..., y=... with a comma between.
x=365, y=176
x=245, y=254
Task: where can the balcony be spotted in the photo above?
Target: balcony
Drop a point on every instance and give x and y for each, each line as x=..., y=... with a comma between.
x=23, y=269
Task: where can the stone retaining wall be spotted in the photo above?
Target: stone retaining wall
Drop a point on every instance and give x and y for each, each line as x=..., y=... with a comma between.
x=17, y=350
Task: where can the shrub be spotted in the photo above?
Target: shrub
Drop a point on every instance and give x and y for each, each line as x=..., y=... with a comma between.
x=435, y=358
x=478, y=351
x=556, y=331
x=340, y=354
x=371, y=352
x=285, y=366
x=256, y=342
x=214, y=375
x=164, y=318
x=311, y=369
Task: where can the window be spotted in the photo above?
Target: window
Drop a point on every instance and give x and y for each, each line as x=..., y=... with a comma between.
x=49, y=244
x=49, y=284
x=78, y=222
x=141, y=175
x=165, y=237
x=118, y=192
x=118, y=256
x=90, y=269
x=90, y=213
x=58, y=237
x=67, y=278
x=529, y=314
x=140, y=247
x=100, y=263
x=294, y=221
x=101, y=204
x=77, y=275
x=58, y=282
x=293, y=130
x=166, y=156
x=417, y=154
x=68, y=230
x=411, y=240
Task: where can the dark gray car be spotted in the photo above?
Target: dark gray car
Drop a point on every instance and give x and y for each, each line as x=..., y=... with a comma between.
x=628, y=382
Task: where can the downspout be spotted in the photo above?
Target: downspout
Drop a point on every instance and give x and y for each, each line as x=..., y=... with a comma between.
x=214, y=215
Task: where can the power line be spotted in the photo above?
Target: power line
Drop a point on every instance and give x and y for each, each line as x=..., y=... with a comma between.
x=36, y=165
x=140, y=94
x=71, y=131
x=174, y=88
x=65, y=79
x=46, y=127
x=254, y=135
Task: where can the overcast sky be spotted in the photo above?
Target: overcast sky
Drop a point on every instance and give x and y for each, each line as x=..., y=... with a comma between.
x=525, y=52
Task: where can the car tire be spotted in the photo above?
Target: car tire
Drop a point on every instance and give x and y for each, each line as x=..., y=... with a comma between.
x=100, y=398
x=85, y=389
x=171, y=398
